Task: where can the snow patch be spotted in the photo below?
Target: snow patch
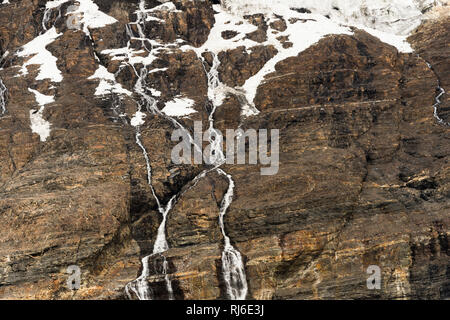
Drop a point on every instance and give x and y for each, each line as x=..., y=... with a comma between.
x=399, y=42
x=130, y=56
x=107, y=83
x=55, y=3
x=304, y=31
x=138, y=119
x=179, y=107
x=155, y=93
x=38, y=124
x=41, y=56
x=91, y=16
x=392, y=16
x=102, y=73
x=42, y=99
x=168, y=6
x=106, y=87
x=302, y=35
x=226, y=21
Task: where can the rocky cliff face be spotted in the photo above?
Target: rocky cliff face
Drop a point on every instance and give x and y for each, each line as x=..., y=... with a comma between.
x=91, y=92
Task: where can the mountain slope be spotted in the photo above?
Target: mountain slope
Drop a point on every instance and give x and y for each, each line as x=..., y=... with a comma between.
x=91, y=93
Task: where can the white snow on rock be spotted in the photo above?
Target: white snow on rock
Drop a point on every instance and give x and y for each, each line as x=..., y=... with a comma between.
x=226, y=21
x=106, y=87
x=167, y=6
x=42, y=99
x=107, y=83
x=302, y=35
x=131, y=56
x=393, y=16
x=158, y=70
x=138, y=119
x=308, y=21
x=102, y=73
x=5, y=2
x=394, y=40
x=155, y=93
x=304, y=31
x=392, y=21
x=41, y=56
x=91, y=16
x=179, y=107
x=55, y=3
x=38, y=124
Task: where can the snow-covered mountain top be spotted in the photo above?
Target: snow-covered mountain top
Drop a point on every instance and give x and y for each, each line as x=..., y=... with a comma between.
x=397, y=17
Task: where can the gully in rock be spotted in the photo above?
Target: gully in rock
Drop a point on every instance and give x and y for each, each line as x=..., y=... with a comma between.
x=3, y=89
x=232, y=262
x=139, y=23
x=440, y=92
x=48, y=13
x=3, y=96
x=3, y=93
x=233, y=268
x=140, y=286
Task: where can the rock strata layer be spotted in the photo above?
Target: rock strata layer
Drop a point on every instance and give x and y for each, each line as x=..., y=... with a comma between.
x=364, y=175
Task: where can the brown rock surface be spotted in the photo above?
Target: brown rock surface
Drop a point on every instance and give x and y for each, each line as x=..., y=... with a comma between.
x=364, y=176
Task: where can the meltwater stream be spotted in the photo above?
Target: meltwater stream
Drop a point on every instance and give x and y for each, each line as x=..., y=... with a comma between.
x=440, y=93
x=140, y=286
x=232, y=263
x=3, y=89
x=50, y=5
x=3, y=92
x=141, y=16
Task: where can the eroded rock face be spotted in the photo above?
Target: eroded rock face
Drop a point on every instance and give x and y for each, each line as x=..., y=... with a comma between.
x=237, y=65
x=363, y=176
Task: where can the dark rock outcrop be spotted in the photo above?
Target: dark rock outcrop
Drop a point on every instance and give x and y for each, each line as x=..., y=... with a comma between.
x=364, y=176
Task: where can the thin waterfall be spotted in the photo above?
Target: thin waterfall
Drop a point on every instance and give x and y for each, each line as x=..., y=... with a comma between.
x=148, y=165
x=140, y=286
x=116, y=110
x=3, y=88
x=48, y=14
x=3, y=94
x=232, y=263
x=46, y=18
x=440, y=92
x=161, y=245
x=215, y=96
x=151, y=105
x=437, y=105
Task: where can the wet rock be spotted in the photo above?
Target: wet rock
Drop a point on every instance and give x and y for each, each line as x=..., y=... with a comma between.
x=363, y=177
